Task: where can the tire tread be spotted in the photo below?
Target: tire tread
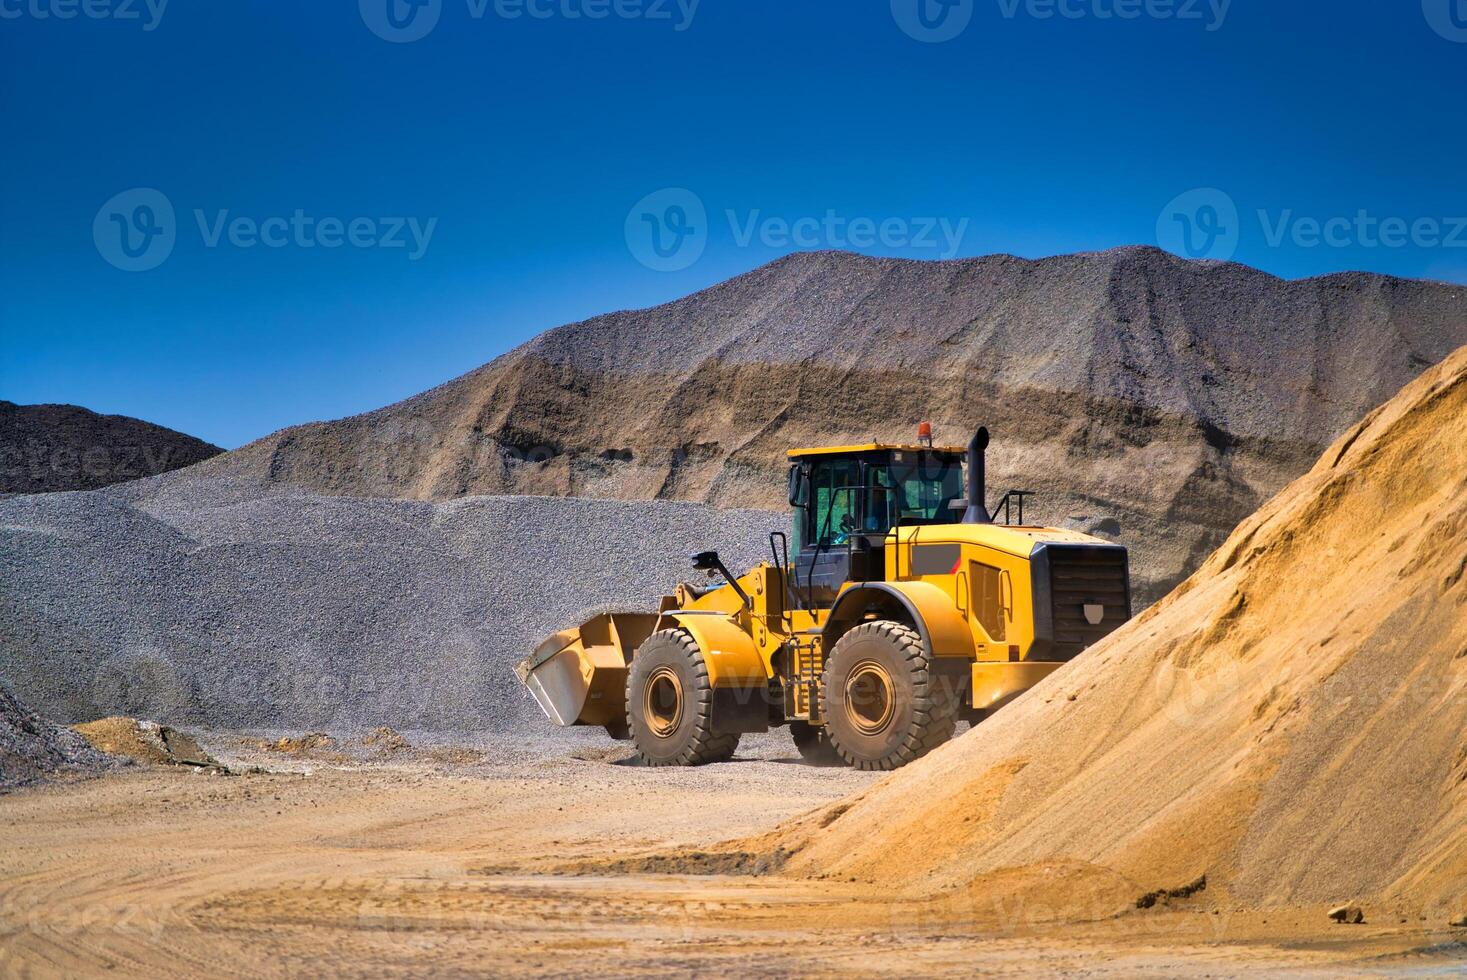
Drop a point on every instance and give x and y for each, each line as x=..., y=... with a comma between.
x=704, y=746
x=934, y=709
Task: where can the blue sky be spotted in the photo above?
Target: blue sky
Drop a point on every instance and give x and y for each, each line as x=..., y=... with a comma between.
x=358, y=215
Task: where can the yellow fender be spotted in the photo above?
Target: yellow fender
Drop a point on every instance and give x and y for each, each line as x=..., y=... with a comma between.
x=944, y=631
x=733, y=659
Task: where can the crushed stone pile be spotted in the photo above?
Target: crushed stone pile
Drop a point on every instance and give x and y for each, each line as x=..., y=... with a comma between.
x=48, y=448
x=228, y=605
x=33, y=749
x=1286, y=729
x=1157, y=400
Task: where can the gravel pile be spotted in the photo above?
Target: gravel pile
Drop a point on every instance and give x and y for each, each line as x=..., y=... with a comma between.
x=222, y=604
x=45, y=448
x=32, y=749
x=1168, y=398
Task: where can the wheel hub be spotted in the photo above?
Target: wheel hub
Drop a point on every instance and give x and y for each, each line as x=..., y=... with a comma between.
x=870, y=697
x=662, y=701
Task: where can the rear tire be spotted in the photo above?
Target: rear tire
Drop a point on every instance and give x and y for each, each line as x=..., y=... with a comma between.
x=884, y=705
x=670, y=704
x=814, y=744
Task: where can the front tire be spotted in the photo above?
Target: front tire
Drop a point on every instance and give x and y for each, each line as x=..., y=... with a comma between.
x=670, y=704
x=884, y=705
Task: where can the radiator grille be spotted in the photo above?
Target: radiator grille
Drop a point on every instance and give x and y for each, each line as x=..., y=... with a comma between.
x=1080, y=577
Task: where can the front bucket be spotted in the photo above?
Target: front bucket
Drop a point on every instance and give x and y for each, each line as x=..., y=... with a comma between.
x=579, y=676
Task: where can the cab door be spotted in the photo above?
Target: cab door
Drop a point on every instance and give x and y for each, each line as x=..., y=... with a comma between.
x=991, y=594
x=829, y=526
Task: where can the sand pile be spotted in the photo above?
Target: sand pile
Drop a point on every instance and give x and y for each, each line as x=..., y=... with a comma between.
x=227, y=605
x=1286, y=729
x=145, y=741
x=44, y=448
x=1164, y=399
x=32, y=749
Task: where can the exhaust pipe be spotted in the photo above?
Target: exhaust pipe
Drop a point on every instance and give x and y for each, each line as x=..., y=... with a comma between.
x=977, y=512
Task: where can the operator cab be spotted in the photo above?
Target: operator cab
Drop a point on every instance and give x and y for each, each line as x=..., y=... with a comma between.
x=846, y=499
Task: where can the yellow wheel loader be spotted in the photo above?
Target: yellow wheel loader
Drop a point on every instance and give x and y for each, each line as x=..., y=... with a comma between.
x=907, y=606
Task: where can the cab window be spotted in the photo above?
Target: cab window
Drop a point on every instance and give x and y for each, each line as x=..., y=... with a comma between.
x=912, y=489
x=831, y=517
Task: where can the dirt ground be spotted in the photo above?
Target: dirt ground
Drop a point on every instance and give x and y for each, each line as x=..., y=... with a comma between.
x=481, y=861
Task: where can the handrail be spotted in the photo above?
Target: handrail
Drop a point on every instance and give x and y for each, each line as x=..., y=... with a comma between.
x=785, y=616
x=1004, y=503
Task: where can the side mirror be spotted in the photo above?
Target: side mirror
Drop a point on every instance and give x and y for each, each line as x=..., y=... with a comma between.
x=708, y=561
x=798, y=485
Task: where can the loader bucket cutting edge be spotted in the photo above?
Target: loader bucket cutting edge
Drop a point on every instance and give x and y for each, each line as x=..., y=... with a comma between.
x=578, y=676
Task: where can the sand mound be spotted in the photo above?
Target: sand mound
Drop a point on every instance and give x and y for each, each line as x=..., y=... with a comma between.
x=203, y=603
x=1285, y=729
x=145, y=741
x=32, y=749
x=1135, y=391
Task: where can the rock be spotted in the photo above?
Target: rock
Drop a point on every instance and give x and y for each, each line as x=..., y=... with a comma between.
x=1460, y=922
x=1349, y=914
